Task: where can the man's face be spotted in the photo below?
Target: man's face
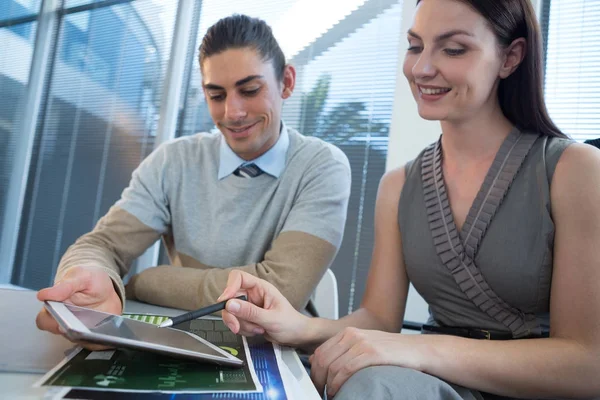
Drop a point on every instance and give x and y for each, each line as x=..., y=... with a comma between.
x=245, y=99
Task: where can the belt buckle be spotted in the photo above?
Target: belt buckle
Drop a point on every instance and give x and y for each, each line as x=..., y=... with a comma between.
x=482, y=334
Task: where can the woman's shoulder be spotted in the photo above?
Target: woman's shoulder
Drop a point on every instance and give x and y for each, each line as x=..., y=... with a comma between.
x=575, y=188
x=567, y=157
x=393, y=180
x=577, y=159
x=397, y=176
x=547, y=151
x=555, y=146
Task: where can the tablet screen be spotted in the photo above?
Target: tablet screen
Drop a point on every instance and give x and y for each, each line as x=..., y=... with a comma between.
x=117, y=326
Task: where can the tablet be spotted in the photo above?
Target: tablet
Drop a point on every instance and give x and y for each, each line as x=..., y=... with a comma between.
x=114, y=330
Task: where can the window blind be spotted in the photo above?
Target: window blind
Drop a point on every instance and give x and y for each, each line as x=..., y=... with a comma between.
x=17, y=34
x=346, y=57
x=99, y=120
x=18, y=9
x=572, y=80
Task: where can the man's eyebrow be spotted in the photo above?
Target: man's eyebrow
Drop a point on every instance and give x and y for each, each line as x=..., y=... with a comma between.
x=248, y=79
x=443, y=36
x=212, y=86
x=411, y=33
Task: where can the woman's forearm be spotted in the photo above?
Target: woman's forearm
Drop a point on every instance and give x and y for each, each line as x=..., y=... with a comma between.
x=319, y=330
x=530, y=368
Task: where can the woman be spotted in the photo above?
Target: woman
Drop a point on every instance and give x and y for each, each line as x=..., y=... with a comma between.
x=495, y=225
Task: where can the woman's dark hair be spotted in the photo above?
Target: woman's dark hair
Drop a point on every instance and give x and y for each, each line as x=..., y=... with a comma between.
x=239, y=31
x=521, y=95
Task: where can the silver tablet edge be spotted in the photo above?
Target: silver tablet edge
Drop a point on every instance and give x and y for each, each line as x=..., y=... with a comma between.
x=75, y=334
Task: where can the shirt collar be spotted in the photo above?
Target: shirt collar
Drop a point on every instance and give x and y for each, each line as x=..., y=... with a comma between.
x=272, y=162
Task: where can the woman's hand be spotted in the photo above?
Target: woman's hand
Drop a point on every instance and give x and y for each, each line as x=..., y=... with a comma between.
x=353, y=349
x=266, y=312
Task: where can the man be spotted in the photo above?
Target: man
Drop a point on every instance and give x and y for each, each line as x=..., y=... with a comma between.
x=259, y=197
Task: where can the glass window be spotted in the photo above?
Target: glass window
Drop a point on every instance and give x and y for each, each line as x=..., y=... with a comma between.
x=99, y=122
x=15, y=62
x=573, y=66
x=76, y=3
x=11, y=9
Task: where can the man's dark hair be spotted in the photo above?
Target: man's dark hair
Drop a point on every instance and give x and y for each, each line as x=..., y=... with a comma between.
x=240, y=31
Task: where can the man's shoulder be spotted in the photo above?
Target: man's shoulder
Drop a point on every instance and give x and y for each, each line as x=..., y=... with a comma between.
x=316, y=149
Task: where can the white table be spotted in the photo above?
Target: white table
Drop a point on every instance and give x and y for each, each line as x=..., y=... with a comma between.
x=30, y=352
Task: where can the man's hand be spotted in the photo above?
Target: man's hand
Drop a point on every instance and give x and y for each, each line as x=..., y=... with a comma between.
x=81, y=286
x=266, y=312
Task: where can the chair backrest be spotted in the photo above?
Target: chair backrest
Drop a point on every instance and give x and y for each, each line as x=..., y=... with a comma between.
x=325, y=296
x=593, y=142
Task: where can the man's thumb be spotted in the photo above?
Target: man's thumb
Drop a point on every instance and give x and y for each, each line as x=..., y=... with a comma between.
x=61, y=291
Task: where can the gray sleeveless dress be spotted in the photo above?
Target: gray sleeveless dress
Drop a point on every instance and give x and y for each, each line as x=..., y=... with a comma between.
x=494, y=274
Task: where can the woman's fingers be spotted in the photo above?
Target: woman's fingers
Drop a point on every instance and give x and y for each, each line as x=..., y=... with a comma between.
x=319, y=367
x=343, y=368
x=239, y=281
x=248, y=312
x=231, y=321
x=248, y=329
x=326, y=354
x=241, y=327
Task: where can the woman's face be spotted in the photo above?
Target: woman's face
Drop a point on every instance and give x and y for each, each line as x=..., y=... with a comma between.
x=453, y=61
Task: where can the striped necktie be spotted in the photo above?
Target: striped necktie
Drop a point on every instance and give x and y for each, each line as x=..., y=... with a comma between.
x=249, y=170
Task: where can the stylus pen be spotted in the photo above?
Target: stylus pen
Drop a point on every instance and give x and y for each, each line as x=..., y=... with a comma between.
x=198, y=313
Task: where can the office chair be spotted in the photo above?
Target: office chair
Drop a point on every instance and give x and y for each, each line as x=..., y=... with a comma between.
x=324, y=301
x=412, y=325
x=593, y=142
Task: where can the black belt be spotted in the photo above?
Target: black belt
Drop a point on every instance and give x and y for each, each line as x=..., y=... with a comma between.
x=472, y=333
